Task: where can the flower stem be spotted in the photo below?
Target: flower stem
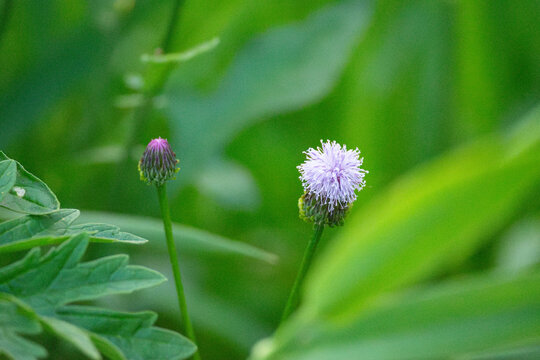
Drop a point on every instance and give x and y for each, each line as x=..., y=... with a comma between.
x=143, y=112
x=173, y=256
x=292, y=302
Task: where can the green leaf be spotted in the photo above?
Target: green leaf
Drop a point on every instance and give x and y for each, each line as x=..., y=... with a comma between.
x=8, y=175
x=519, y=247
x=47, y=284
x=519, y=353
x=107, y=348
x=15, y=321
x=106, y=233
x=28, y=194
x=73, y=334
x=282, y=70
x=230, y=185
x=130, y=332
x=445, y=321
x=188, y=239
x=57, y=278
x=426, y=221
x=38, y=230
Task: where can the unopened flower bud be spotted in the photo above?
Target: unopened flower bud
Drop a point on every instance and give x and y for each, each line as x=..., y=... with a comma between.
x=158, y=163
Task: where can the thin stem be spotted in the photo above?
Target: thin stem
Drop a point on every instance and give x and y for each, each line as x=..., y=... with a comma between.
x=143, y=112
x=173, y=256
x=292, y=302
x=166, y=43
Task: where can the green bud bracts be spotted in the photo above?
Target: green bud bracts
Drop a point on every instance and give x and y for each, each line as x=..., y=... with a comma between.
x=158, y=163
x=313, y=210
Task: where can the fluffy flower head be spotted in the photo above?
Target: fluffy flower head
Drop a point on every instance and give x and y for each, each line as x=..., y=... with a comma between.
x=158, y=163
x=331, y=175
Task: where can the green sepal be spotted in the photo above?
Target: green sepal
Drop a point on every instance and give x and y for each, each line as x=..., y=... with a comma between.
x=313, y=210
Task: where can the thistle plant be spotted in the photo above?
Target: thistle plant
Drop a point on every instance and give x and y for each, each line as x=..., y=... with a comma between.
x=331, y=176
x=156, y=167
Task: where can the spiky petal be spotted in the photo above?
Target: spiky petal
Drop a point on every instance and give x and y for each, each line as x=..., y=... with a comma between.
x=158, y=163
x=331, y=175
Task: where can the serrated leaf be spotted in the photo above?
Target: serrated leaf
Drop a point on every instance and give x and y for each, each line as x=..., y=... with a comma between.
x=8, y=175
x=106, y=233
x=79, y=338
x=107, y=348
x=25, y=231
x=38, y=230
x=29, y=194
x=46, y=284
x=130, y=332
x=188, y=239
x=445, y=321
x=14, y=321
x=58, y=278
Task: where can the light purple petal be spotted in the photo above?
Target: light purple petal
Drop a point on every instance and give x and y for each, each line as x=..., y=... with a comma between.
x=333, y=174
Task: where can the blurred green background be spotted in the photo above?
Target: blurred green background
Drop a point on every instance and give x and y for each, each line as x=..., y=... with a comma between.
x=431, y=92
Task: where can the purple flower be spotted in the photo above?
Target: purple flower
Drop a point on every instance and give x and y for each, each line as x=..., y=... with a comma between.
x=158, y=163
x=331, y=175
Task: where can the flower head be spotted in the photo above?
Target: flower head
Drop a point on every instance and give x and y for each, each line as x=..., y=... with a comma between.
x=158, y=163
x=331, y=175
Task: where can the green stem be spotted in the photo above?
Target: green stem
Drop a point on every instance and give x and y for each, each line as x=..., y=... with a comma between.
x=292, y=302
x=173, y=22
x=173, y=257
x=142, y=113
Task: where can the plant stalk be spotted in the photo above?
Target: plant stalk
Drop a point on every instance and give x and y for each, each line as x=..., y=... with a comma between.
x=143, y=112
x=292, y=302
x=173, y=257
x=173, y=22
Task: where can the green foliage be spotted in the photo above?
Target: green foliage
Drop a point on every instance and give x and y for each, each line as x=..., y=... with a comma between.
x=22, y=191
x=36, y=291
x=8, y=169
x=391, y=242
x=15, y=321
x=281, y=70
x=445, y=321
x=57, y=225
x=133, y=335
x=48, y=284
x=420, y=226
x=190, y=240
x=405, y=81
x=37, y=230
